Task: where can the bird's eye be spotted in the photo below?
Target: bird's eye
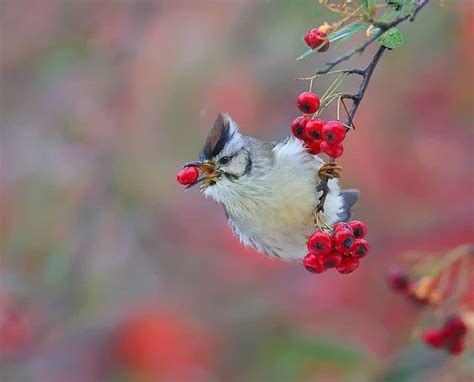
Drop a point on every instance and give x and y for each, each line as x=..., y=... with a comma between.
x=224, y=160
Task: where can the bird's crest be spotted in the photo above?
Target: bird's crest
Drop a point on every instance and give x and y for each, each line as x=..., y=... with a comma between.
x=221, y=133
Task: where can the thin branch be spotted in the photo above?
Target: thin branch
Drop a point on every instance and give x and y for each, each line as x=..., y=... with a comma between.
x=383, y=27
x=357, y=98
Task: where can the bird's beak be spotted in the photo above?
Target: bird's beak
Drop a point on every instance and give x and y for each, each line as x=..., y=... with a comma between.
x=209, y=173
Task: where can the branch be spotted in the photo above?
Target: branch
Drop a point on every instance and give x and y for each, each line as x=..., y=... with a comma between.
x=366, y=76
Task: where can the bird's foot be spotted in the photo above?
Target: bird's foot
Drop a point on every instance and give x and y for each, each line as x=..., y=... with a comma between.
x=329, y=171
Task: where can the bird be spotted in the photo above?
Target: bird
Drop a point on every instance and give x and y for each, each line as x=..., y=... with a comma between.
x=268, y=189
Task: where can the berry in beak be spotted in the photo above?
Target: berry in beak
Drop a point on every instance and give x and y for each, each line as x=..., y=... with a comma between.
x=209, y=173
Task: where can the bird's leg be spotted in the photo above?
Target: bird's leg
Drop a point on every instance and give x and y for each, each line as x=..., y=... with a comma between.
x=329, y=170
x=323, y=186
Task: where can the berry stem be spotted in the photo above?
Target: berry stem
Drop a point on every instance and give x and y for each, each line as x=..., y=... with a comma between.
x=328, y=101
x=333, y=87
x=338, y=107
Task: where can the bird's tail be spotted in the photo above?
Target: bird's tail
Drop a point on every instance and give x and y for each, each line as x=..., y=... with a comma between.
x=349, y=198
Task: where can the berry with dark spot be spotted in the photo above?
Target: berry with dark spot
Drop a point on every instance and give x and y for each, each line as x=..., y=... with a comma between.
x=314, y=129
x=332, y=260
x=298, y=127
x=308, y=102
x=334, y=132
x=343, y=241
x=319, y=243
x=359, y=228
x=312, y=263
x=360, y=249
x=348, y=265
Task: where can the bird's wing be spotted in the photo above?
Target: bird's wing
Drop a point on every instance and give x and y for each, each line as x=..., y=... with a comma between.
x=349, y=198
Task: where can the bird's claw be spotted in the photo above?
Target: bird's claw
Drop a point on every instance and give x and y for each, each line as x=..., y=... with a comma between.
x=329, y=171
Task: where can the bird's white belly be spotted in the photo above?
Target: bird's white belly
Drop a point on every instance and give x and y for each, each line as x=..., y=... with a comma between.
x=281, y=232
x=279, y=221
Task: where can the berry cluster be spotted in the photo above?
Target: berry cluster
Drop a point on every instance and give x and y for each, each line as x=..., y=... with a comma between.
x=449, y=337
x=187, y=175
x=343, y=250
x=316, y=38
x=317, y=134
x=421, y=291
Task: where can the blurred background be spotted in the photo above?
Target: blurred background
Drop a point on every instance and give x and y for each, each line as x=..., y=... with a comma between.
x=110, y=271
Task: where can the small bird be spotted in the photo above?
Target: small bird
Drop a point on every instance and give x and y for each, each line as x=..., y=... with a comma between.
x=268, y=189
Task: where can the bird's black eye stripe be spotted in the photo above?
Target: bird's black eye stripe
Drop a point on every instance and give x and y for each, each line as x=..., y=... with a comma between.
x=224, y=160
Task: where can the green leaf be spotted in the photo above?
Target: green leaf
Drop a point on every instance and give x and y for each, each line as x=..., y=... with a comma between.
x=348, y=30
x=391, y=39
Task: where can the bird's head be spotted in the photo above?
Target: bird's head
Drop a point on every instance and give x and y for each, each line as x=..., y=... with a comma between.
x=224, y=160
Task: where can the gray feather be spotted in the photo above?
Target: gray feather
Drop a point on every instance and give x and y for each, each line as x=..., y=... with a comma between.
x=349, y=199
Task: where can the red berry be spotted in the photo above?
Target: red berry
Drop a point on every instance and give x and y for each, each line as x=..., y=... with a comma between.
x=187, y=175
x=455, y=327
x=332, y=260
x=360, y=249
x=315, y=38
x=308, y=102
x=319, y=243
x=314, y=129
x=348, y=265
x=398, y=279
x=298, y=127
x=334, y=151
x=359, y=228
x=312, y=263
x=341, y=225
x=343, y=241
x=456, y=348
x=433, y=337
x=334, y=132
x=313, y=147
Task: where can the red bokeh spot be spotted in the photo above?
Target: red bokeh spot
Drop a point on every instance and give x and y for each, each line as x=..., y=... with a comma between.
x=154, y=343
x=15, y=328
